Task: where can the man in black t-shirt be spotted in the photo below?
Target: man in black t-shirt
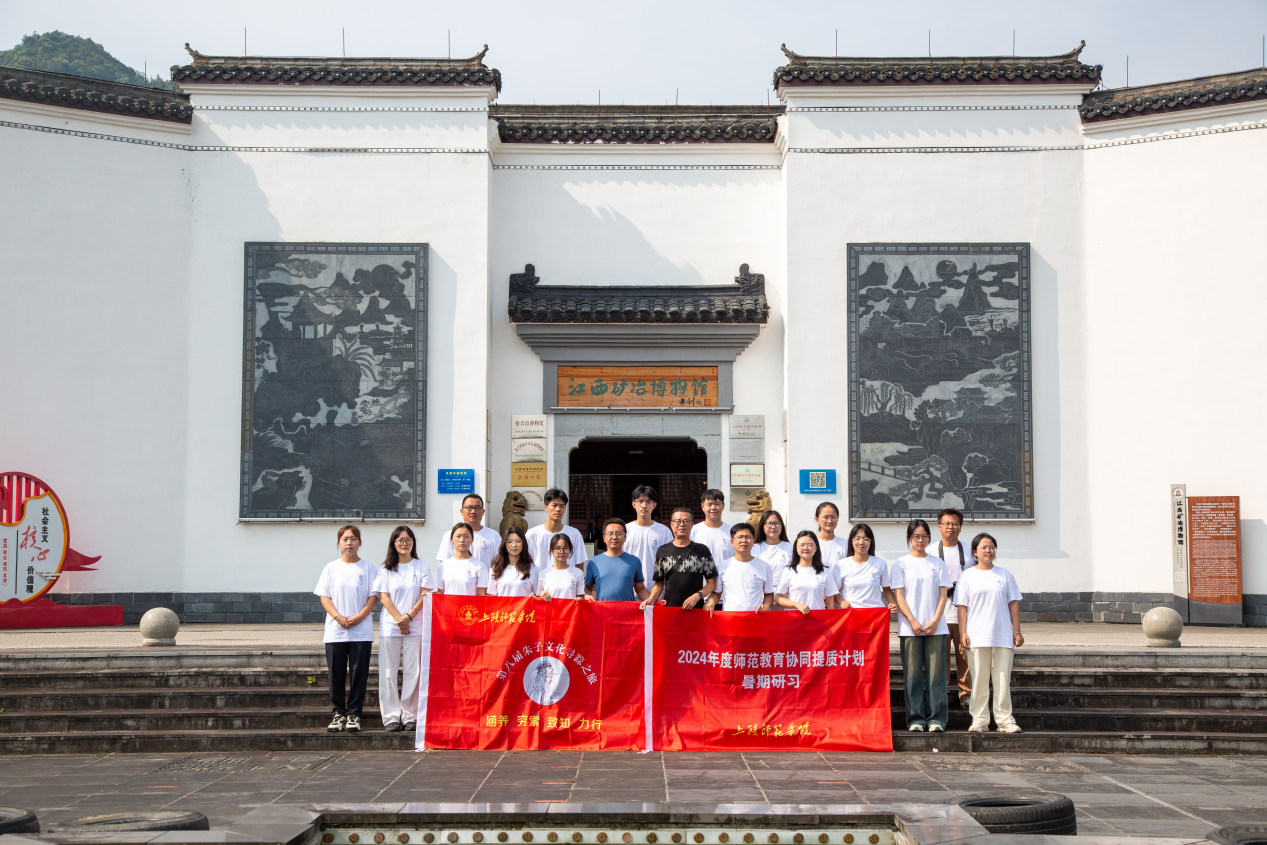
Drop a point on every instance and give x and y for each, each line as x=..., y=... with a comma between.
x=685, y=574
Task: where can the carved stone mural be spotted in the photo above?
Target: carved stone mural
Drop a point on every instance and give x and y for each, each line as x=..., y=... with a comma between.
x=939, y=381
x=334, y=381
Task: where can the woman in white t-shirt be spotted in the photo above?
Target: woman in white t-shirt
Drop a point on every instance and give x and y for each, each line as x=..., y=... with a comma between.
x=462, y=575
x=990, y=622
x=513, y=572
x=561, y=580
x=863, y=578
x=919, y=581
x=806, y=584
x=775, y=548
x=402, y=585
x=346, y=590
x=827, y=516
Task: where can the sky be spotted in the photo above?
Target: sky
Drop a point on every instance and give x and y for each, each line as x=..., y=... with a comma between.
x=649, y=51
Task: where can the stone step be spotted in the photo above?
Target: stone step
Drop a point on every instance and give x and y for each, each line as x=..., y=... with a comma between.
x=1028, y=742
x=1164, y=721
x=291, y=697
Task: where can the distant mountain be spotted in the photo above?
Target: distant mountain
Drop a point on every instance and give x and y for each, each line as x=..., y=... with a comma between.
x=58, y=52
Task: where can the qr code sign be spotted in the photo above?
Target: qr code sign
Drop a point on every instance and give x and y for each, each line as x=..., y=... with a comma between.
x=818, y=481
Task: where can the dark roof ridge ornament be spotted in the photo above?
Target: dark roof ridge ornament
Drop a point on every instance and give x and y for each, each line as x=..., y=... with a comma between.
x=1180, y=95
x=741, y=302
x=797, y=60
x=203, y=60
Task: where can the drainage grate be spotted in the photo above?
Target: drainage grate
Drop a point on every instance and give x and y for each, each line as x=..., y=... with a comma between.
x=838, y=835
x=254, y=763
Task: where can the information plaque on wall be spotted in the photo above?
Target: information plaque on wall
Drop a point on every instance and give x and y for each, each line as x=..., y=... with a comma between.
x=1214, y=560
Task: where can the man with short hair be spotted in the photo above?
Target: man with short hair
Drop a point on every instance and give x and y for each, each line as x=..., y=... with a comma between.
x=644, y=535
x=746, y=582
x=712, y=532
x=487, y=541
x=539, y=535
x=684, y=570
x=615, y=575
x=957, y=557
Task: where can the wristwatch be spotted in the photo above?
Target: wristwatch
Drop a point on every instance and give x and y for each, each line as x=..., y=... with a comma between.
x=701, y=595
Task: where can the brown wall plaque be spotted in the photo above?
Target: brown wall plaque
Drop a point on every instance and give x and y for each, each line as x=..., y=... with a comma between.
x=1214, y=551
x=637, y=387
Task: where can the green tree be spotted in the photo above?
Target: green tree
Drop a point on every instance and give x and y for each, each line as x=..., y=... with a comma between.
x=58, y=52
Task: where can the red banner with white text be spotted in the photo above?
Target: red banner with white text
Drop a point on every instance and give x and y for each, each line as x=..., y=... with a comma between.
x=524, y=673
x=771, y=681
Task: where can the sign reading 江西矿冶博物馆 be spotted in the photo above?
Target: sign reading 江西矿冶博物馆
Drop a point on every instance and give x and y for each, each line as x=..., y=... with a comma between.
x=530, y=425
x=818, y=481
x=637, y=387
x=1214, y=560
x=1179, y=546
x=940, y=412
x=751, y=426
x=455, y=481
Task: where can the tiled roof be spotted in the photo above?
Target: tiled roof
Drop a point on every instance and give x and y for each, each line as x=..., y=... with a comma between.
x=742, y=302
x=521, y=124
x=81, y=92
x=324, y=70
x=972, y=70
x=1201, y=92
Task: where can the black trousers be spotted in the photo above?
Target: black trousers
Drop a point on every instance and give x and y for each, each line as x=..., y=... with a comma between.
x=339, y=657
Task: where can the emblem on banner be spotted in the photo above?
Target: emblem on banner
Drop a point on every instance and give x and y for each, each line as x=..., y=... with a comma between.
x=546, y=680
x=468, y=614
x=35, y=550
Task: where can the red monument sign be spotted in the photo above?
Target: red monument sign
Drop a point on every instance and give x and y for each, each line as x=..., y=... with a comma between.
x=1214, y=560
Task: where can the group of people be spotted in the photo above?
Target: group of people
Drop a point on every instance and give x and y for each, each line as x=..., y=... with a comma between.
x=948, y=597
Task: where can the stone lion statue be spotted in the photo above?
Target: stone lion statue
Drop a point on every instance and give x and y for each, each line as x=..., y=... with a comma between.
x=758, y=503
x=513, y=509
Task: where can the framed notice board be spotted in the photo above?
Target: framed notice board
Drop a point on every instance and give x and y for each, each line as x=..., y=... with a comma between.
x=1214, y=560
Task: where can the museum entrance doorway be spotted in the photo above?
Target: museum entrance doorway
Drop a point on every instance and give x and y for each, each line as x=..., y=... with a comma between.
x=603, y=471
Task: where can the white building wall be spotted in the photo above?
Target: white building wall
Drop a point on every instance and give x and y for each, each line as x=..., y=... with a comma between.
x=1173, y=335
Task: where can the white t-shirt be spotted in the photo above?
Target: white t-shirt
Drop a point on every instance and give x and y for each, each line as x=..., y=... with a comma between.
x=806, y=586
x=833, y=550
x=744, y=584
x=462, y=577
x=513, y=583
x=539, y=547
x=862, y=584
x=775, y=556
x=642, y=541
x=986, y=593
x=921, y=577
x=717, y=540
x=348, y=586
x=561, y=583
x=484, y=547
x=403, y=587
x=950, y=556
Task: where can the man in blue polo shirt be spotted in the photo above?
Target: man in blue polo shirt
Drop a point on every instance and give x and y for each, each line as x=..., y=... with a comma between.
x=614, y=575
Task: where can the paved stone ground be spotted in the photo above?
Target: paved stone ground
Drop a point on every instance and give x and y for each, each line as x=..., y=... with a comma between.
x=1120, y=795
x=302, y=635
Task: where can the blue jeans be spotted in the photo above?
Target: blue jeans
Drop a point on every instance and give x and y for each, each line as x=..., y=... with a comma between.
x=924, y=679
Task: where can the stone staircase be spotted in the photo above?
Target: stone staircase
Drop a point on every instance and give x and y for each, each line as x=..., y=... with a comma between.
x=187, y=701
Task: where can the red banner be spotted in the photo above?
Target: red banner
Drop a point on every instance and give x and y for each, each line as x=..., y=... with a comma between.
x=771, y=681
x=523, y=673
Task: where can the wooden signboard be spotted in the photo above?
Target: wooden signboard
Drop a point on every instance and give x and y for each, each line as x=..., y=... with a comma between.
x=528, y=475
x=637, y=387
x=1214, y=560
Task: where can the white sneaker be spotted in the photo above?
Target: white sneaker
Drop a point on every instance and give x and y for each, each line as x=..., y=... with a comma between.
x=935, y=729
x=354, y=724
x=975, y=728
x=1010, y=728
x=336, y=724
x=915, y=727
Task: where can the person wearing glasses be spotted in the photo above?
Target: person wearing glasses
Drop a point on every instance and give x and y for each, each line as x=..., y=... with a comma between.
x=644, y=535
x=989, y=610
x=775, y=548
x=615, y=575
x=486, y=541
x=958, y=559
x=863, y=578
x=685, y=574
x=402, y=586
x=806, y=583
x=919, y=581
x=831, y=547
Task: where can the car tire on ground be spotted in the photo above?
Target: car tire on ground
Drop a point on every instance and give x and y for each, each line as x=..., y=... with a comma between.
x=13, y=820
x=118, y=822
x=1022, y=812
x=1239, y=834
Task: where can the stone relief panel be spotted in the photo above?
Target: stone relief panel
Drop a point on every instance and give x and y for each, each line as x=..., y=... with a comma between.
x=334, y=381
x=939, y=381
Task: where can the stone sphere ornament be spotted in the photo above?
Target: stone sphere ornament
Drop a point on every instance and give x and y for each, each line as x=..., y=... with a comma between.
x=1163, y=626
x=159, y=626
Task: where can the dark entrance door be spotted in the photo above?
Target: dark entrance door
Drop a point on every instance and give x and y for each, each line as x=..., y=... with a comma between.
x=602, y=473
